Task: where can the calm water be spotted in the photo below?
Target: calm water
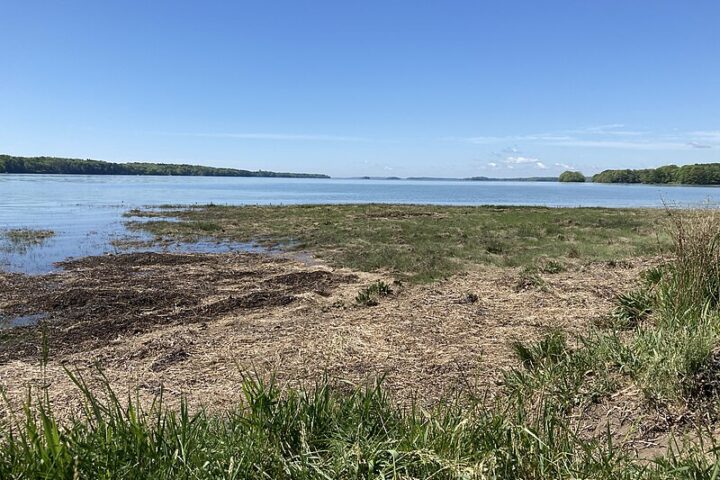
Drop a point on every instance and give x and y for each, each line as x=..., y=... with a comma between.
x=86, y=211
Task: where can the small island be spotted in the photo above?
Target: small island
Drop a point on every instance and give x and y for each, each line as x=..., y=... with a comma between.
x=571, y=177
x=76, y=166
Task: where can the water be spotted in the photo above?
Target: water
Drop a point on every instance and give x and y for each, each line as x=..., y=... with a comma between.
x=86, y=211
x=21, y=321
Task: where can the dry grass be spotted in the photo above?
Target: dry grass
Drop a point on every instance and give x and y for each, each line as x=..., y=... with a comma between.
x=429, y=340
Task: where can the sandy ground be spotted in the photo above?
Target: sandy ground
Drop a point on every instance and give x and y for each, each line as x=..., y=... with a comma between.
x=195, y=324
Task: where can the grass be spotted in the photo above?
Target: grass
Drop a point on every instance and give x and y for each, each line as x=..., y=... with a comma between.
x=26, y=236
x=662, y=342
x=319, y=433
x=370, y=296
x=663, y=338
x=425, y=243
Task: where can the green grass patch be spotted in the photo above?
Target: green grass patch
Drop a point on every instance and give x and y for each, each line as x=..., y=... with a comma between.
x=25, y=236
x=426, y=243
x=320, y=433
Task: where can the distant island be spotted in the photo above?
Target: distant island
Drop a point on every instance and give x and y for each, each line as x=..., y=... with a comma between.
x=519, y=179
x=697, y=174
x=572, y=176
x=462, y=179
x=76, y=166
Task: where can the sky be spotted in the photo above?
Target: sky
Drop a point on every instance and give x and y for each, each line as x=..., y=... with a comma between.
x=503, y=88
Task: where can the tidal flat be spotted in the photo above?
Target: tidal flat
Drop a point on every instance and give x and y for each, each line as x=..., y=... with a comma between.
x=579, y=342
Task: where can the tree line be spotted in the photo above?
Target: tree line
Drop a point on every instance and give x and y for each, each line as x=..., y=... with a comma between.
x=698, y=174
x=76, y=166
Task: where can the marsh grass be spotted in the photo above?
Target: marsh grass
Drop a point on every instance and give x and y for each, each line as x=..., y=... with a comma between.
x=663, y=334
x=426, y=243
x=26, y=236
x=529, y=278
x=317, y=433
x=683, y=295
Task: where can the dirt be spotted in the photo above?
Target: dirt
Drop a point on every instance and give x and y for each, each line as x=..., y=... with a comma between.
x=195, y=324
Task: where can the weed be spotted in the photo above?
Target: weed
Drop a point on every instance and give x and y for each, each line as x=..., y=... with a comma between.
x=316, y=433
x=370, y=296
x=551, y=266
x=26, y=236
x=632, y=307
x=528, y=279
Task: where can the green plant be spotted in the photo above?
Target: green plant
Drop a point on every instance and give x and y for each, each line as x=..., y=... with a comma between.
x=632, y=307
x=26, y=236
x=551, y=266
x=318, y=433
x=667, y=353
x=369, y=296
x=423, y=243
x=528, y=279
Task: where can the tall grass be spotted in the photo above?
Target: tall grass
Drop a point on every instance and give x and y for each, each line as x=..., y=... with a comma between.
x=691, y=282
x=679, y=324
x=317, y=433
x=664, y=337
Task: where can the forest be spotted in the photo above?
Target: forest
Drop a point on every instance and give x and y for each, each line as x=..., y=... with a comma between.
x=76, y=166
x=697, y=174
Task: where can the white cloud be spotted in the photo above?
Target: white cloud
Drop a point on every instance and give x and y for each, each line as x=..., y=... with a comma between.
x=565, y=166
x=628, y=145
x=611, y=136
x=511, y=161
x=273, y=136
x=699, y=145
x=511, y=138
x=520, y=160
x=709, y=134
x=613, y=129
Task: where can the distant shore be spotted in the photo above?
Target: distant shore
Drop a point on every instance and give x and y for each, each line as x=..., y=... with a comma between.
x=76, y=166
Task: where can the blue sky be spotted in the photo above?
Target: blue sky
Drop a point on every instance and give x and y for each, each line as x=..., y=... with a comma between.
x=443, y=88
